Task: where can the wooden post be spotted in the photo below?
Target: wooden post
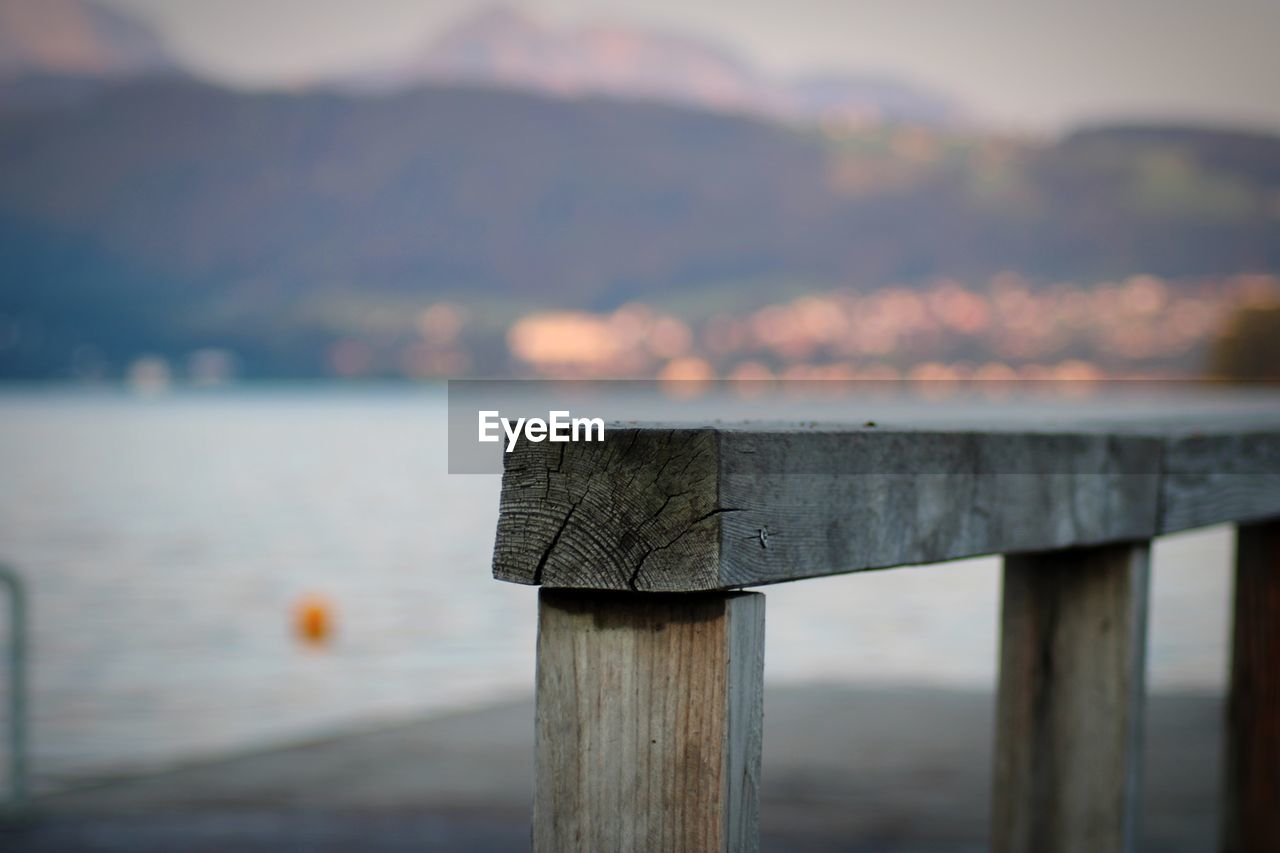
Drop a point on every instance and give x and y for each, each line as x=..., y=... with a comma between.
x=649, y=711
x=1069, y=707
x=1251, y=811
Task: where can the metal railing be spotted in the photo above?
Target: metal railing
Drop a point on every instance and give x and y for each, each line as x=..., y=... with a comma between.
x=17, y=729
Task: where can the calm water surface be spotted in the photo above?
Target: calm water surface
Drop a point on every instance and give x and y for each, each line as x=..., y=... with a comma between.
x=167, y=540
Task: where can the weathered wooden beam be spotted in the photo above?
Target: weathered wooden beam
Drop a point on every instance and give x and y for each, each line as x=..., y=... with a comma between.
x=658, y=508
x=685, y=509
x=1251, y=808
x=1070, y=701
x=649, y=713
x=1219, y=477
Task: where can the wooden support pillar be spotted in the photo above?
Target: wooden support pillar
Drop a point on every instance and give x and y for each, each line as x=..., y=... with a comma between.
x=1070, y=702
x=649, y=712
x=1251, y=807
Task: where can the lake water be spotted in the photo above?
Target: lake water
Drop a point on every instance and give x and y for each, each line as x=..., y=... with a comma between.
x=167, y=540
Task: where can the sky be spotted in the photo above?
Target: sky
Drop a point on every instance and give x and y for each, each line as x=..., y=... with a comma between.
x=1032, y=64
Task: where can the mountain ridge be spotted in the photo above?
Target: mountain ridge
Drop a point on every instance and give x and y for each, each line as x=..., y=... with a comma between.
x=501, y=45
x=73, y=38
x=175, y=214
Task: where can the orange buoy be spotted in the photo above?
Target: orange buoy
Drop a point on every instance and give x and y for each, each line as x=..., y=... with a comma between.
x=313, y=620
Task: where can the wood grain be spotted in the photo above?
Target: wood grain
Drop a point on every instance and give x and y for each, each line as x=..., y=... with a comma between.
x=688, y=509
x=638, y=511
x=1070, y=701
x=1212, y=478
x=1251, y=807
x=838, y=501
x=649, y=713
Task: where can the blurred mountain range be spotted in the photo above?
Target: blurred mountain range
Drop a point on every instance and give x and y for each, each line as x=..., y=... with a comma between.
x=75, y=37
x=63, y=51
x=508, y=47
x=166, y=212
x=57, y=49
x=163, y=213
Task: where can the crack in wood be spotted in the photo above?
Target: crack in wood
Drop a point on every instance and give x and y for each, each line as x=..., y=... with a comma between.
x=551, y=546
x=635, y=575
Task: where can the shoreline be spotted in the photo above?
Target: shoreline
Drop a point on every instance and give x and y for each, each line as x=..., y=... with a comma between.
x=846, y=767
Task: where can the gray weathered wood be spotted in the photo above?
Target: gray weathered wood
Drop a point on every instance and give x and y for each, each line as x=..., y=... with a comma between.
x=1216, y=477
x=1251, y=808
x=656, y=508
x=649, y=713
x=1070, y=701
x=700, y=508
x=637, y=511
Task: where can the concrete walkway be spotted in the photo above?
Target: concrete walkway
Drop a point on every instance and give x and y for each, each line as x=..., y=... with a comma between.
x=845, y=768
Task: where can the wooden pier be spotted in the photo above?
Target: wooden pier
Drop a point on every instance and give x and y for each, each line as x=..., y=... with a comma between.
x=650, y=657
